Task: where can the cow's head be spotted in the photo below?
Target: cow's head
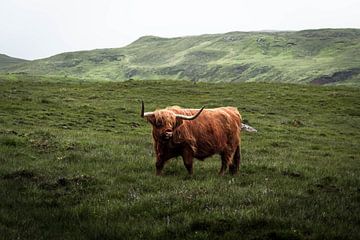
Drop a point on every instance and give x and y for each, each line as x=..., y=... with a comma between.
x=164, y=121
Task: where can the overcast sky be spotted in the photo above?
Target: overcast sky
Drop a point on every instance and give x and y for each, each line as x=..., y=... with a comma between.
x=34, y=29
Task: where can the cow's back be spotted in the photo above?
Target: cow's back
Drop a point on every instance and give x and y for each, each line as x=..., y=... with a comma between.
x=213, y=131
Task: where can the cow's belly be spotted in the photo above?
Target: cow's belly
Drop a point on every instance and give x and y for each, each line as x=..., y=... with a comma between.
x=207, y=148
x=201, y=155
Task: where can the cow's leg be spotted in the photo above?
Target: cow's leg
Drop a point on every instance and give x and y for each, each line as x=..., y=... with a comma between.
x=226, y=158
x=234, y=166
x=159, y=166
x=188, y=161
x=223, y=165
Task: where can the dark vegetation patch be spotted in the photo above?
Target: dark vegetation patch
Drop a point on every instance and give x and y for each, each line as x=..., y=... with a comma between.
x=244, y=229
x=294, y=174
x=327, y=184
x=186, y=71
x=259, y=70
x=106, y=57
x=80, y=182
x=45, y=182
x=131, y=73
x=238, y=69
x=23, y=175
x=216, y=226
x=336, y=77
x=68, y=63
x=196, y=71
x=45, y=101
x=8, y=132
x=51, y=192
x=279, y=144
x=280, y=235
x=11, y=141
x=204, y=56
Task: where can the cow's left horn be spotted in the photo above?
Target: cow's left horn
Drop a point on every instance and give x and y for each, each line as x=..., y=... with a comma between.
x=190, y=117
x=147, y=114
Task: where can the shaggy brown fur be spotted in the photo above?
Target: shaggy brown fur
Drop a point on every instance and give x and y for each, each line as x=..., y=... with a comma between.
x=214, y=131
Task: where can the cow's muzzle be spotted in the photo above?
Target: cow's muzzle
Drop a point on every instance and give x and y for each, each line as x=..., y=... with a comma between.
x=167, y=135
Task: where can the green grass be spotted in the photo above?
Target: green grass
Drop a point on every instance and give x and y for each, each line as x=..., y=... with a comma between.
x=296, y=57
x=77, y=163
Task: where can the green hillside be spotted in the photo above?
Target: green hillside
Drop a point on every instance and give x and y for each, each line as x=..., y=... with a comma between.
x=318, y=56
x=6, y=61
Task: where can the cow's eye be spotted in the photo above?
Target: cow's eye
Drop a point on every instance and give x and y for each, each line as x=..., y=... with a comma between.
x=159, y=124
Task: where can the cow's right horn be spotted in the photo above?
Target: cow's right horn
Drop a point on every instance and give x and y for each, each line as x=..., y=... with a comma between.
x=146, y=114
x=190, y=117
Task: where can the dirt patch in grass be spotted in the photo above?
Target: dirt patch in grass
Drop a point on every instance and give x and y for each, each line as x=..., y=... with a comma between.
x=80, y=181
x=293, y=123
x=43, y=182
x=43, y=141
x=336, y=77
x=325, y=184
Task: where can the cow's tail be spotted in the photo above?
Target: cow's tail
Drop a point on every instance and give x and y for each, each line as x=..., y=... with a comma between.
x=247, y=128
x=234, y=166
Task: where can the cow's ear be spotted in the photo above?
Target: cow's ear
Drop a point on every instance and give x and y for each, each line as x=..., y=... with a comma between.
x=151, y=119
x=179, y=121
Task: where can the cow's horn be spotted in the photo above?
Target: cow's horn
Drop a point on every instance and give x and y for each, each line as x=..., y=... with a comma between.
x=147, y=114
x=190, y=117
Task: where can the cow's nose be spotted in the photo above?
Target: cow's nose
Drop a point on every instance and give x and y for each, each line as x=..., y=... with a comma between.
x=167, y=134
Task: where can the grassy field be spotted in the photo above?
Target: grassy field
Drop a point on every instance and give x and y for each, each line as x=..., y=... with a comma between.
x=292, y=57
x=77, y=163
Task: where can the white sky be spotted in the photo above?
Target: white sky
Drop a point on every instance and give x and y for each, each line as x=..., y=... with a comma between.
x=34, y=29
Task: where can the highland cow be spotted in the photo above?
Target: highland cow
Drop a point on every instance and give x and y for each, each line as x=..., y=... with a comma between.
x=197, y=133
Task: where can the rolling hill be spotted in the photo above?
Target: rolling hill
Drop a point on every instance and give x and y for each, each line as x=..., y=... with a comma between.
x=6, y=61
x=324, y=56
